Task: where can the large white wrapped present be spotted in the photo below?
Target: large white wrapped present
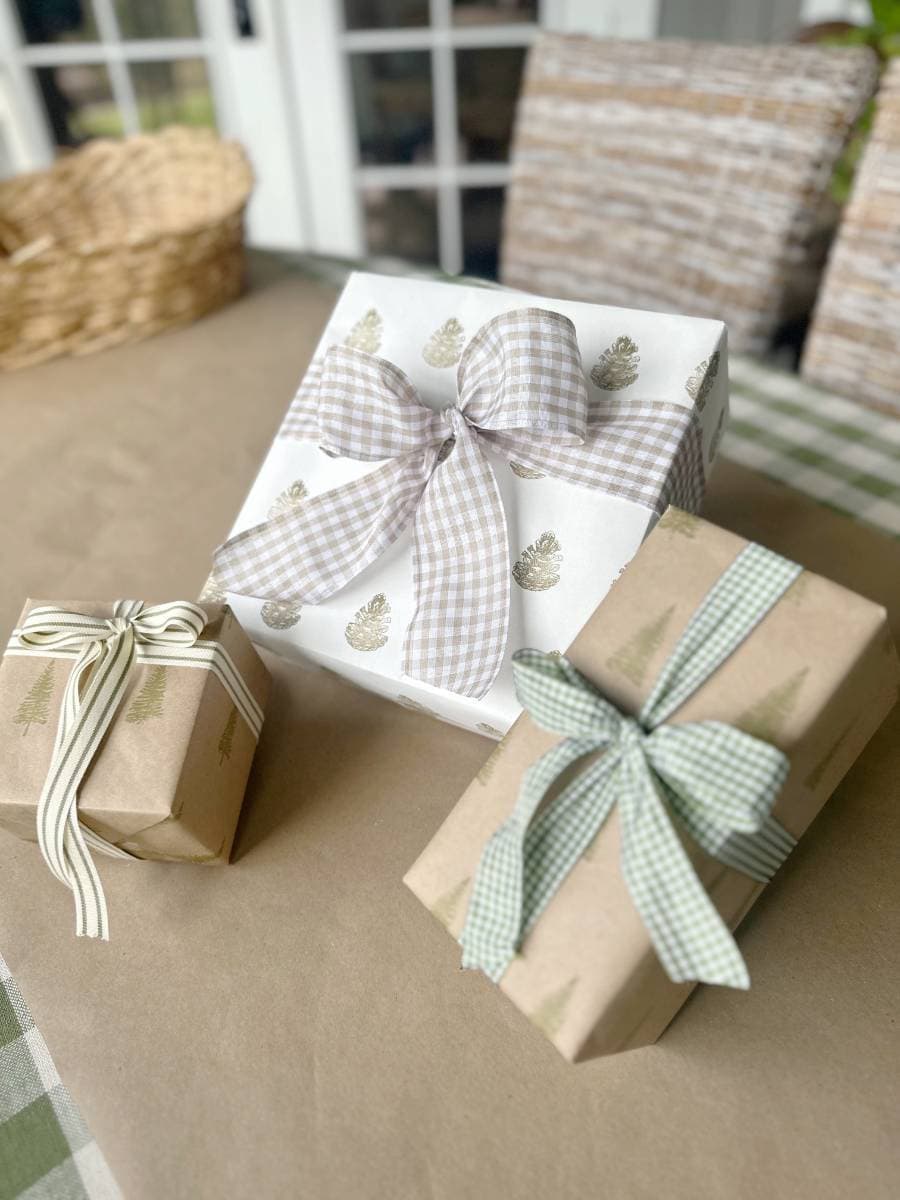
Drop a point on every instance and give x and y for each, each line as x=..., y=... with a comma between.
x=463, y=472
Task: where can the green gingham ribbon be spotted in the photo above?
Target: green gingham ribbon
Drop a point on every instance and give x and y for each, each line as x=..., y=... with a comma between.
x=104, y=650
x=718, y=782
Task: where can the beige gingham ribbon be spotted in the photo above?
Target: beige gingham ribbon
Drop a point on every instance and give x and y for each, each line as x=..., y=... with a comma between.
x=521, y=394
x=104, y=650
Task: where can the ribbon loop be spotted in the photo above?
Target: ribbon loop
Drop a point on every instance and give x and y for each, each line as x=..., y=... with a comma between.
x=522, y=395
x=717, y=782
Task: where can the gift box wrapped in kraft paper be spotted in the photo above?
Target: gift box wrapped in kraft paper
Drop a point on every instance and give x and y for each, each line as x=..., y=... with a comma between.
x=659, y=776
x=128, y=730
x=465, y=471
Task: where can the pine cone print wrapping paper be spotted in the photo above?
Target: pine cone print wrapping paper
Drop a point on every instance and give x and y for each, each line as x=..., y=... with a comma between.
x=566, y=543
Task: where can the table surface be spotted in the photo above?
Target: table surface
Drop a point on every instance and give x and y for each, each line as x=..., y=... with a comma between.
x=296, y=1025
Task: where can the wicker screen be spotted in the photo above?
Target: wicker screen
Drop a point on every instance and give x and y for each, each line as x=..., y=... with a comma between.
x=673, y=175
x=854, y=343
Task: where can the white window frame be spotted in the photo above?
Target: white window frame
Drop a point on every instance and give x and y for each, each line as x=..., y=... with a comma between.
x=319, y=47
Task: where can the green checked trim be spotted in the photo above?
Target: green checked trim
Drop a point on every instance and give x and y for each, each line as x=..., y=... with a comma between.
x=46, y=1153
x=714, y=781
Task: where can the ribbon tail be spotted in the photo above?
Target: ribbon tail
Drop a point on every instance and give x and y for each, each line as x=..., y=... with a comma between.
x=83, y=724
x=457, y=636
x=690, y=938
x=493, y=926
x=308, y=553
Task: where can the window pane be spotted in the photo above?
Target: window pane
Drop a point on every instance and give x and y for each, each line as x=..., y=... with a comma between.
x=157, y=18
x=402, y=223
x=482, y=213
x=493, y=12
x=392, y=103
x=63, y=21
x=385, y=14
x=487, y=87
x=173, y=93
x=79, y=103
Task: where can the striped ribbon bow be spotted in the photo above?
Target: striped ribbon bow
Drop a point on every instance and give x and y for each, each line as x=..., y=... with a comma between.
x=93, y=693
x=718, y=783
x=521, y=394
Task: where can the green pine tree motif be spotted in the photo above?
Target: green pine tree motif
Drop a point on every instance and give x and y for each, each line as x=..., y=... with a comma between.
x=814, y=778
x=445, y=346
x=538, y=568
x=700, y=382
x=676, y=520
x=369, y=628
x=366, y=333
x=289, y=499
x=35, y=708
x=617, y=366
x=446, y=906
x=279, y=614
x=490, y=763
x=765, y=718
x=148, y=703
x=550, y=1015
x=227, y=739
x=212, y=592
x=796, y=593
x=524, y=472
x=634, y=656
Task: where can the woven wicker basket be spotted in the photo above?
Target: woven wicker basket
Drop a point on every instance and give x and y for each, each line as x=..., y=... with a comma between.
x=118, y=241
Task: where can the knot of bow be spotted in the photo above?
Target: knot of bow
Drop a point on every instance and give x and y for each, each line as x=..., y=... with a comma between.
x=94, y=690
x=714, y=781
x=522, y=395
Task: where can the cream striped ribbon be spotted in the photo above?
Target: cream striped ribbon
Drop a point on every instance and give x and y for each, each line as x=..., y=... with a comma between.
x=104, y=650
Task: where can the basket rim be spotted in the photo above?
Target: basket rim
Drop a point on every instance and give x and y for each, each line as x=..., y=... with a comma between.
x=46, y=247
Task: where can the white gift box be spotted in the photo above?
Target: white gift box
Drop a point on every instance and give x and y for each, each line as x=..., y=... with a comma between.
x=422, y=327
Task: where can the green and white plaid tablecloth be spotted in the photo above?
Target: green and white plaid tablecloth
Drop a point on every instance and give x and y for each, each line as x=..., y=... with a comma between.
x=845, y=456
x=46, y=1153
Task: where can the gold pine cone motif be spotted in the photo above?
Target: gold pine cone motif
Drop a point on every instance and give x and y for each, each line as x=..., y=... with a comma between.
x=290, y=498
x=279, y=614
x=700, y=382
x=369, y=628
x=524, y=472
x=538, y=568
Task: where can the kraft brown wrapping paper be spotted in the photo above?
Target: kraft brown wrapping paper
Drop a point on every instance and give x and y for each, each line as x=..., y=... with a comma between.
x=159, y=786
x=588, y=974
x=296, y=1026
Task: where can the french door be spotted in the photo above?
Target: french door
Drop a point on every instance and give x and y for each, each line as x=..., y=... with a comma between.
x=374, y=126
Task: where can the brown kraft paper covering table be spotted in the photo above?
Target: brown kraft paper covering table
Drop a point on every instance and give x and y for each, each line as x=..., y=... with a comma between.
x=295, y=1025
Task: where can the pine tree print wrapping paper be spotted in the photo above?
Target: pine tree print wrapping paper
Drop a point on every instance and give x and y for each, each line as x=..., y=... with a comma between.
x=169, y=778
x=587, y=974
x=566, y=544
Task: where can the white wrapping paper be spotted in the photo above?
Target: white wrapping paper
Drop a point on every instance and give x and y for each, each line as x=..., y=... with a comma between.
x=359, y=632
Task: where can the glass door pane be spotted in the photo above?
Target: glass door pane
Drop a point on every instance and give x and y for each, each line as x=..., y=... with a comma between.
x=79, y=103
x=385, y=14
x=157, y=18
x=487, y=88
x=169, y=93
x=393, y=106
x=45, y=21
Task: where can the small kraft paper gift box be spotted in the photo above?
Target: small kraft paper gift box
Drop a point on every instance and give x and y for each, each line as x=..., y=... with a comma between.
x=465, y=471
x=660, y=774
x=129, y=730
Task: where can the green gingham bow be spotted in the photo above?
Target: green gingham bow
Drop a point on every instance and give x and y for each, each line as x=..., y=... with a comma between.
x=717, y=782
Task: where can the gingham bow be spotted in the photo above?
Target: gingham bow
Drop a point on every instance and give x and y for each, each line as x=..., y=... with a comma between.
x=92, y=695
x=718, y=782
x=522, y=394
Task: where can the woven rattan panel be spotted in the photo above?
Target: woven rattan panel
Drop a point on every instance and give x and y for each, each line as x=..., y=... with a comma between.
x=673, y=175
x=854, y=343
